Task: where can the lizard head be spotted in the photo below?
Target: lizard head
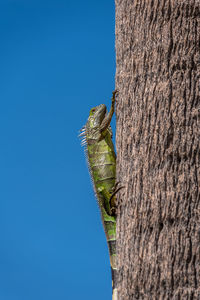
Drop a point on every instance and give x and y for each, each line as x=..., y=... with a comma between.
x=96, y=116
x=92, y=129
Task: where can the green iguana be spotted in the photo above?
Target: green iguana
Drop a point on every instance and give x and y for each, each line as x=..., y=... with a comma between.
x=97, y=137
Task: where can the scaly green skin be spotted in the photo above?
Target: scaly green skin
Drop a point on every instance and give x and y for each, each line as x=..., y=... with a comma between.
x=102, y=165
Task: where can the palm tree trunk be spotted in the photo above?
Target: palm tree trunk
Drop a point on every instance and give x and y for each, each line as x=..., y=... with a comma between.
x=158, y=148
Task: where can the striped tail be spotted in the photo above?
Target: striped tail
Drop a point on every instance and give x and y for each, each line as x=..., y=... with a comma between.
x=112, y=251
x=114, y=294
x=110, y=229
x=109, y=223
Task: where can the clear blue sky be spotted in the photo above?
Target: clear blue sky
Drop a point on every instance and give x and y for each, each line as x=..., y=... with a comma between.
x=57, y=60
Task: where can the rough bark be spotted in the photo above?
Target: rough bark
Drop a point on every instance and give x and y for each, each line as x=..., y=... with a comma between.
x=158, y=153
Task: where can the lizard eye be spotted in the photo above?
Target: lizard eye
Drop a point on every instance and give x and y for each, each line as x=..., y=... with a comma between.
x=92, y=111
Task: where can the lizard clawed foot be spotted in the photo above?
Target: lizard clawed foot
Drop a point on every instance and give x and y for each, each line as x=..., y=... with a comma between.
x=114, y=94
x=116, y=191
x=112, y=199
x=115, y=186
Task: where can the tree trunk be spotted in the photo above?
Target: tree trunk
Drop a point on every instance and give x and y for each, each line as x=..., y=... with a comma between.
x=158, y=153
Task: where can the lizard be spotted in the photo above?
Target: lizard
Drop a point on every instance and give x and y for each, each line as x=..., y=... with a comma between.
x=100, y=153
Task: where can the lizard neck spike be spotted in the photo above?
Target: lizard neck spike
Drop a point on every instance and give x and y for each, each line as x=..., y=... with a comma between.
x=82, y=131
x=82, y=134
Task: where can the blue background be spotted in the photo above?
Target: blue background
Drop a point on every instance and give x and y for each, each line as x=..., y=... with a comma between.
x=57, y=60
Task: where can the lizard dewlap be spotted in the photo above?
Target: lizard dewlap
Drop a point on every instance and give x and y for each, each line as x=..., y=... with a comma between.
x=97, y=138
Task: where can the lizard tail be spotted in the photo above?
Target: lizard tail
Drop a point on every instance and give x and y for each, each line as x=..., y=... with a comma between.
x=114, y=295
x=112, y=252
x=110, y=230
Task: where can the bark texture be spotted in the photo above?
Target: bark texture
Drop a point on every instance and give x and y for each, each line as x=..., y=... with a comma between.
x=158, y=148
